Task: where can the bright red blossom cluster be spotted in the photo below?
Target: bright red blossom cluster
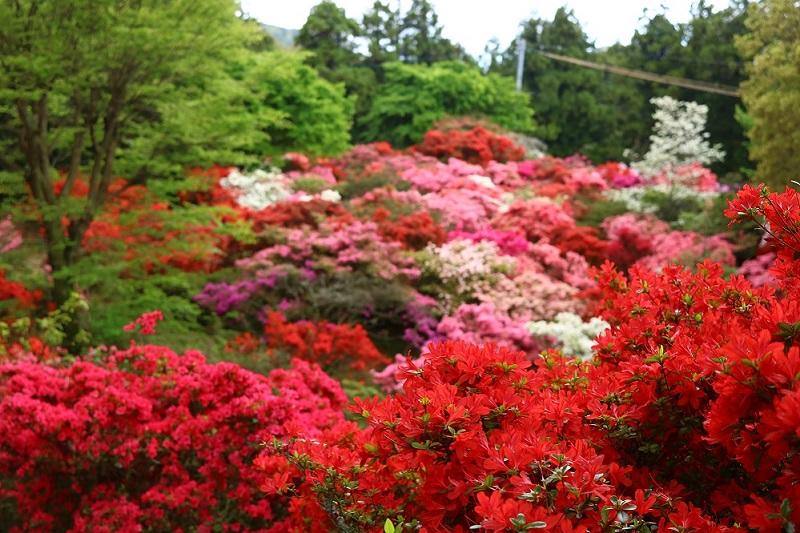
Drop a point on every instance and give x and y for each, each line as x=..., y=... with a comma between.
x=150, y=440
x=687, y=419
x=414, y=231
x=332, y=346
x=146, y=323
x=16, y=292
x=478, y=146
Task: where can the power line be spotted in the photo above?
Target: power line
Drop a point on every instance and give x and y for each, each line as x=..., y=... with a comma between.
x=704, y=86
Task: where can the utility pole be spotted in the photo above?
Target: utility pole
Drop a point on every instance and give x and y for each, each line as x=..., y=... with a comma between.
x=520, y=60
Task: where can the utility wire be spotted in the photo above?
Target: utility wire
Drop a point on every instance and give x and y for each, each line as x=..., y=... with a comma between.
x=703, y=86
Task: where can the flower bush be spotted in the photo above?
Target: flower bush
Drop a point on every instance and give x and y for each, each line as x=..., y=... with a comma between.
x=686, y=420
x=491, y=277
x=477, y=145
x=462, y=269
x=149, y=440
x=679, y=137
x=483, y=323
x=332, y=346
x=258, y=189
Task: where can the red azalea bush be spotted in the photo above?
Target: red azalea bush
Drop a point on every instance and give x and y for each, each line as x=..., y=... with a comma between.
x=296, y=214
x=149, y=441
x=332, y=346
x=584, y=240
x=478, y=146
x=12, y=291
x=413, y=231
x=145, y=234
x=687, y=419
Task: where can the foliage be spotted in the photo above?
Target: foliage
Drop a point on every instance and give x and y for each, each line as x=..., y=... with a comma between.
x=141, y=89
x=602, y=115
x=329, y=34
x=413, y=97
x=421, y=40
x=770, y=92
x=296, y=109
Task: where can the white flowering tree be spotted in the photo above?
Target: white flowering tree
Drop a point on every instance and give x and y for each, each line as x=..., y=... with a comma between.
x=678, y=138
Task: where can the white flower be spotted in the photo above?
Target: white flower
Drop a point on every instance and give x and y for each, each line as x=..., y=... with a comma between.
x=640, y=199
x=575, y=336
x=329, y=195
x=257, y=190
x=465, y=268
x=483, y=181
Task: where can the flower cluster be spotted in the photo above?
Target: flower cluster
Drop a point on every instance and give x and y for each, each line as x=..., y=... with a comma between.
x=10, y=238
x=342, y=247
x=477, y=145
x=146, y=323
x=16, y=292
x=685, y=420
x=679, y=137
x=150, y=440
x=258, y=189
x=484, y=323
x=462, y=269
x=332, y=346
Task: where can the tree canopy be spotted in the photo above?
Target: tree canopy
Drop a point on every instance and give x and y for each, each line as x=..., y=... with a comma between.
x=772, y=89
x=413, y=97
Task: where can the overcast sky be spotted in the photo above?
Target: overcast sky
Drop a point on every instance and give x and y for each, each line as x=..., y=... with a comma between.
x=473, y=22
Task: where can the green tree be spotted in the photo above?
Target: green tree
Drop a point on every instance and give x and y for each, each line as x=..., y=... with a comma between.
x=702, y=49
x=330, y=35
x=381, y=26
x=98, y=88
x=421, y=39
x=413, y=97
x=772, y=89
x=579, y=110
x=296, y=109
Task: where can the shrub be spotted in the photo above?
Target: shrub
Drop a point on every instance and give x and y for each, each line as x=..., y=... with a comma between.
x=306, y=113
x=477, y=146
x=335, y=347
x=413, y=97
x=149, y=440
x=686, y=419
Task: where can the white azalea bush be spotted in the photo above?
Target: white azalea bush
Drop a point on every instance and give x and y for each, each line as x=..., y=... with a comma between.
x=574, y=336
x=258, y=189
x=261, y=188
x=645, y=200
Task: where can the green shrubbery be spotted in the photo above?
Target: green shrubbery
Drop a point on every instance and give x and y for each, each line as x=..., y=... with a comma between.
x=413, y=97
